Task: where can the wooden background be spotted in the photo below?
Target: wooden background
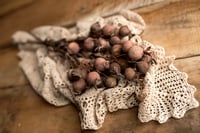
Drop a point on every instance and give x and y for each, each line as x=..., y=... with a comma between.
x=173, y=24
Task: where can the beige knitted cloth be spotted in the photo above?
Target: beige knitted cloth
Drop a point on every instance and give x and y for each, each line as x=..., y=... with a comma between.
x=165, y=92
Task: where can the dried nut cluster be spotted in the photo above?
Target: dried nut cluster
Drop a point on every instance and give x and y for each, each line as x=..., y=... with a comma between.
x=102, y=58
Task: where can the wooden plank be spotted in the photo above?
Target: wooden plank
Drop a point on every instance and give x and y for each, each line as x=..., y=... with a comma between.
x=154, y=6
x=176, y=27
x=23, y=111
x=192, y=67
x=8, y=6
x=108, y=8
x=10, y=73
x=45, y=12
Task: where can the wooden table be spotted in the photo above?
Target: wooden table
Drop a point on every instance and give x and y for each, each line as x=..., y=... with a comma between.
x=173, y=24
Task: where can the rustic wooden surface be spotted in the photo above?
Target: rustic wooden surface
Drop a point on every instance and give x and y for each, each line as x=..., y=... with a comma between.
x=174, y=25
x=46, y=12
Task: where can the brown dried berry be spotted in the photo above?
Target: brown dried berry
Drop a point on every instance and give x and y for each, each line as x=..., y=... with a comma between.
x=126, y=46
x=79, y=86
x=84, y=73
x=86, y=54
x=74, y=74
x=115, y=68
x=73, y=48
x=147, y=58
x=89, y=44
x=124, y=39
x=124, y=31
x=130, y=73
x=93, y=79
x=123, y=63
x=115, y=40
x=102, y=44
x=135, y=52
x=108, y=30
x=142, y=66
x=95, y=29
x=101, y=64
x=86, y=63
x=116, y=50
x=110, y=82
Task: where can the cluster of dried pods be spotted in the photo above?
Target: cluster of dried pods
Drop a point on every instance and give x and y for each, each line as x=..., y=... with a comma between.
x=103, y=57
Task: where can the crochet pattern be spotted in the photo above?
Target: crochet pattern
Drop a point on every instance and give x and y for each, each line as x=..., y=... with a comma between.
x=167, y=93
x=163, y=93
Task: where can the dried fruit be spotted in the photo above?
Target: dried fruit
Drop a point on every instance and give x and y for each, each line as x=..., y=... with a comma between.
x=115, y=40
x=95, y=29
x=147, y=58
x=102, y=44
x=110, y=82
x=73, y=48
x=115, y=68
x=86, y=63
x=84, y=73
x=135, y=52
x=126, y=46
x=108, y=30
x=142, y=66
x=74, y=74
x=79, y=86
x=124, y=31
x=130, y=73
x=116, y=50
x=122, y=62
x=89, y=44
x=105, y=55
x=93, y=79
x=124, y=39
x=101, y=64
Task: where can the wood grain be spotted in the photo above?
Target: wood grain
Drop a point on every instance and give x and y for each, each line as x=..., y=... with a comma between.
x=45, y=12
x=176, y=27
x=8, y=6
x=23, y=111
x=10, y=73
x=192, y=67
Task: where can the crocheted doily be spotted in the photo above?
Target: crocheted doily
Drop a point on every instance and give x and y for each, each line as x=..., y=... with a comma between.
x=167, y=93
x=163, y=93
